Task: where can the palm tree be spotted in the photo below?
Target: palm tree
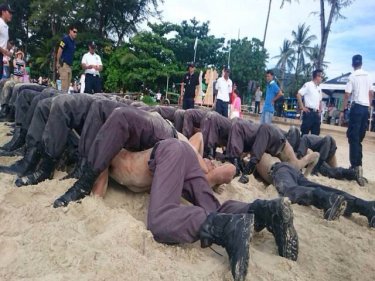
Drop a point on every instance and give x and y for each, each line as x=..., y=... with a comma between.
x=313, y=56
x=302, y=41
x=268, y=16
x=286, y=59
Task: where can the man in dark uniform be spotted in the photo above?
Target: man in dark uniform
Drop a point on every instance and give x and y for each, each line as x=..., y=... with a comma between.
x=167, y=112
x=359, y=88
x=65, y=56
x=257, y=139
x=215, y=129
x=192, y=119
x=25, y=107
x=126, y=127
x=179, y=120
x=291, y=183
x=177, y=173
x=188, y=87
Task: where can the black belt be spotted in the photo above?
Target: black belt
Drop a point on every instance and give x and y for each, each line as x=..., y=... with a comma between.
x=92, y=74
x=313, y=110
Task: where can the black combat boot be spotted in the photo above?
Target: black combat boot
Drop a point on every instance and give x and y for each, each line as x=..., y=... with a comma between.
x=236, y=161
x=333, y=204
x=337, y=172
x=248, y=170
x=80, y=189
x=364, y=208
x=233, y=232
x=361, y=180
x=44, y=171
x=211, y=153
x=8, y=115
x=18, y=140
x=277, y=216
x=25, y=165
x=76, y=173
x=17, y=152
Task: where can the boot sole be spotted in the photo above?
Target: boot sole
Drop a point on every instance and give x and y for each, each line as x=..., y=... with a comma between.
x=289, y=246
x=239, y=269
x=337, y=209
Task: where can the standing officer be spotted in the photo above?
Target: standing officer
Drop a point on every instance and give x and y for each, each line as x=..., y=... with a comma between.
x=65, y=56
x=224, y=87
x=311, y=109
x=188, y=86
x=5, y=16
x=92, y=64
x=359, y=88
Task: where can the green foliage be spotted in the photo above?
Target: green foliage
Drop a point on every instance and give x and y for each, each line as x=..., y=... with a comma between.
x=149, y=100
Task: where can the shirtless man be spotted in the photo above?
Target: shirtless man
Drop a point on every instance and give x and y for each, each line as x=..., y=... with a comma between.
x=176, y=173
x=291, y=183
x=256, y=139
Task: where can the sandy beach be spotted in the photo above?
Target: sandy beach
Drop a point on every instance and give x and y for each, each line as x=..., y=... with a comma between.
x=106, y=239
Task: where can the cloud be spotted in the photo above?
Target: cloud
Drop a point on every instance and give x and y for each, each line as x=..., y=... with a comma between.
x=228, y=18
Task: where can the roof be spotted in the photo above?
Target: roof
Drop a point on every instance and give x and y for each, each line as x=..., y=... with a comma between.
x=337, y=84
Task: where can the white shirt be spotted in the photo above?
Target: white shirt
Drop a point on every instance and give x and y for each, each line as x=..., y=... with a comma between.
x=312, y=95
x=4, y=34
x=358, y=86
x=91, y=59
x=224, y=88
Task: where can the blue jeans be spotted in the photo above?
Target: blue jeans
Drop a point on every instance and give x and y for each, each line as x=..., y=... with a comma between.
x=358, y=123
x=266, y=117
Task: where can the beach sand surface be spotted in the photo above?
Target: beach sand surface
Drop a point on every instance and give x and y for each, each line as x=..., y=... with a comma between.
x=107, y=239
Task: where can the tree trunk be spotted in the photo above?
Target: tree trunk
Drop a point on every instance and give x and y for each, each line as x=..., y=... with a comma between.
x=268, y=17
x=325, y=29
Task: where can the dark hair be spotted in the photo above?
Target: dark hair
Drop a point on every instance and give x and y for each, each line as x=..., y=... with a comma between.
x=316, y=72
x=357, y=61
x=269, y=71
x=72, y=26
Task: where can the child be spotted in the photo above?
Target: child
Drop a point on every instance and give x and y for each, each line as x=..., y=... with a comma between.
x=19, y=66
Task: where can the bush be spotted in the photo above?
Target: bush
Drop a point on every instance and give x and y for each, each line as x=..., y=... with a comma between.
x=149, y=100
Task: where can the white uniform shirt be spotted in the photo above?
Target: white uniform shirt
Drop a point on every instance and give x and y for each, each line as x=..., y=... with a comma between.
x=4, y=34
x=312, y=95
x=358, y=86
x=224, y=88
x=91, y=59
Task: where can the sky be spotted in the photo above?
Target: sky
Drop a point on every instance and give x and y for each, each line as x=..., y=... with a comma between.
x=353, y=35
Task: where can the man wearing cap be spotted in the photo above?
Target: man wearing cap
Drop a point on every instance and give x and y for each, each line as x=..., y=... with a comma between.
x=224, y=87
x=64, y=57
x=359, y=88
x=92, y=64
x=311, y=107
x=6, y=16
x=188, y=86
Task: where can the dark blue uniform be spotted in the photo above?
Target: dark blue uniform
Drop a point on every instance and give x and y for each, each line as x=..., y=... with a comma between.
x=69, y=46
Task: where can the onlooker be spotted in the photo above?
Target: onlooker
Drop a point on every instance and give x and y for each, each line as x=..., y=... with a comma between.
x=19, y=66
x=258, y=98
x=6, y=16
x=311, y=107
x=64, y=57
x=92, y=64
x=188, y=87
x=359, y=87
x=158, y=97
x=273, y=92
x=82, y=83
x=235, y=108
x=224, y=88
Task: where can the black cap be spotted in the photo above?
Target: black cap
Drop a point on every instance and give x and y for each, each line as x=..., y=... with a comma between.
x=92, y=45
x=6, y=7
x=357, y=60
x=191, y=64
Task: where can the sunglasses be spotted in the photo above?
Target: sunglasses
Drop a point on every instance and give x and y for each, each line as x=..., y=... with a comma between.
x=74, y=31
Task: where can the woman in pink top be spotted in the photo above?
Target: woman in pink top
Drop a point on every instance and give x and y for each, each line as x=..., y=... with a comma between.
x=235, y=107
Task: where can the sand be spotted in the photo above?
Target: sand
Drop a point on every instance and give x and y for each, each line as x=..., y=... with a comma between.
x=106, y=239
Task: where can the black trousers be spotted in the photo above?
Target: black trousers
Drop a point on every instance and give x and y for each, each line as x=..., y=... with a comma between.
x=222, y=107
x=310, y=122
x=358, y=124
x=93, y=84
x=187, y=103
x=1, y=65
